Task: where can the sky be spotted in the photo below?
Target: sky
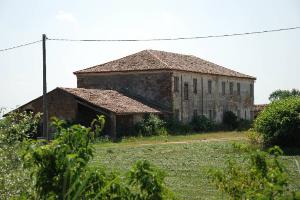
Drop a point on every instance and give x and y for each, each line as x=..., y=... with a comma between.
x=273, y=58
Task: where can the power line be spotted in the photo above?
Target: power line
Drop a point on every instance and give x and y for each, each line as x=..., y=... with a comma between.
x=178, y=38
x=154, y=39
x=21, y=45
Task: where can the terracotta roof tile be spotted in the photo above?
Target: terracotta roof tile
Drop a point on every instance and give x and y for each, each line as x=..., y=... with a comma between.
x=161, y=60
x=111, y=100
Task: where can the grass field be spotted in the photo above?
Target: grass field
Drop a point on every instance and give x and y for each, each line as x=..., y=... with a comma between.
x=185, y=159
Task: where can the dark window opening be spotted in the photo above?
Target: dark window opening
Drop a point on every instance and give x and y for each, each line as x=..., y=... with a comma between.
x=176, y=84
x=251, y=90
x=238, y=85
x=231, y=88
x=186, y=91
x=210, y=112
x=209, y=86
x=223, y=88
x=176, y=115
x=195, y=85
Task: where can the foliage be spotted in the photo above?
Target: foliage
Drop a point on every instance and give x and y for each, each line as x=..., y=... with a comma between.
x=282, y=94
x=15, y=129
x=58, y=164
x=17, y=126
x=279, y=123
x=244, y=125
x=60, y=171
x=176, y=127
x=97, y=125
x=2, y=111
x=254, y=137
x=202, y=123
x=151, y=125
x=148, y=181
x=185, y=159
x=230, y=120
x=263, y=177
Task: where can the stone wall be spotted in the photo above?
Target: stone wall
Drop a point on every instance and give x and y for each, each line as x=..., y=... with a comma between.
x=60, y=104
x=212, y=105
x=154, y=87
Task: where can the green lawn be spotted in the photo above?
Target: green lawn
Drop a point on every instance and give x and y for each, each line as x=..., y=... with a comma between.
x=185, y=159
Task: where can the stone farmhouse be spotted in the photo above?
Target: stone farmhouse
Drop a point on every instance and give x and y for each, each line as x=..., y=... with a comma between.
x=167, y=84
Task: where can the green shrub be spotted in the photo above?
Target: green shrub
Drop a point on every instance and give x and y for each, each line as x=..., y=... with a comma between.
x=254, y=137
x=279, y=123
x=60, y=171
x=202, y=123
x=148, y=181
x=151, y=125
x=230, y=120
x=17, y=126
x=262, y=176
x=243, y=125
x=15, y=129
x=175, y=127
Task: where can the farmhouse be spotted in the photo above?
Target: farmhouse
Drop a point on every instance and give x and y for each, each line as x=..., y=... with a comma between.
x=167, y=84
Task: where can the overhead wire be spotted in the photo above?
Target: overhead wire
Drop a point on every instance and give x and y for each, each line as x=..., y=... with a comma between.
x=154, y=39
x=178, y=38
x=21, y=45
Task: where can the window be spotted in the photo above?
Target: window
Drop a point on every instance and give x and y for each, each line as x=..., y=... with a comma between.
x=176, y=114
x=195, y=114
x=238, y=85
x=186, y=91
x=210, y=112
x=223, y=88
x=251, y=90
x=239, y=114
x=231, y=88
x=195, y=85
x=176, y=83
x=209, y=86
x=245, y=114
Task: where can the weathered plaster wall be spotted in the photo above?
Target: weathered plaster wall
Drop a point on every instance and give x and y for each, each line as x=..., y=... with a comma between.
x=154, y=87
x=60, y=104
x=216, y=101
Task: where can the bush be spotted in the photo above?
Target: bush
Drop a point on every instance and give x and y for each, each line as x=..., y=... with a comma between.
x=202, y=123
x=230, y=120
x=17, y=126
x=151, y=125
x=175, y=127
x=279, y=123
x=243, y=125
x=15, y=129
x=254, y=137
x=61, y=171
x=261, y=177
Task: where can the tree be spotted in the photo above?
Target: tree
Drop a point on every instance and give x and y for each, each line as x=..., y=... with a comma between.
x=279, y=122
x=282, y=94
x=261, y=176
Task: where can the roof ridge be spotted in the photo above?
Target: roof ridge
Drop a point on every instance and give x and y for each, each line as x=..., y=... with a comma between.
x=155, y=56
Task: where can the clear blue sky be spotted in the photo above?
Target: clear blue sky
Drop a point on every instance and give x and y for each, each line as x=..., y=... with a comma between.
x=273, y=58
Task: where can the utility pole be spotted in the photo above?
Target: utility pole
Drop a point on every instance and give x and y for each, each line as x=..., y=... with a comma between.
x=45, y=106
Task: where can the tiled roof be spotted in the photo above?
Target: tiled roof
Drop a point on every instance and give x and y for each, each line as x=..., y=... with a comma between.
x=110, y=100
x=160, y=60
